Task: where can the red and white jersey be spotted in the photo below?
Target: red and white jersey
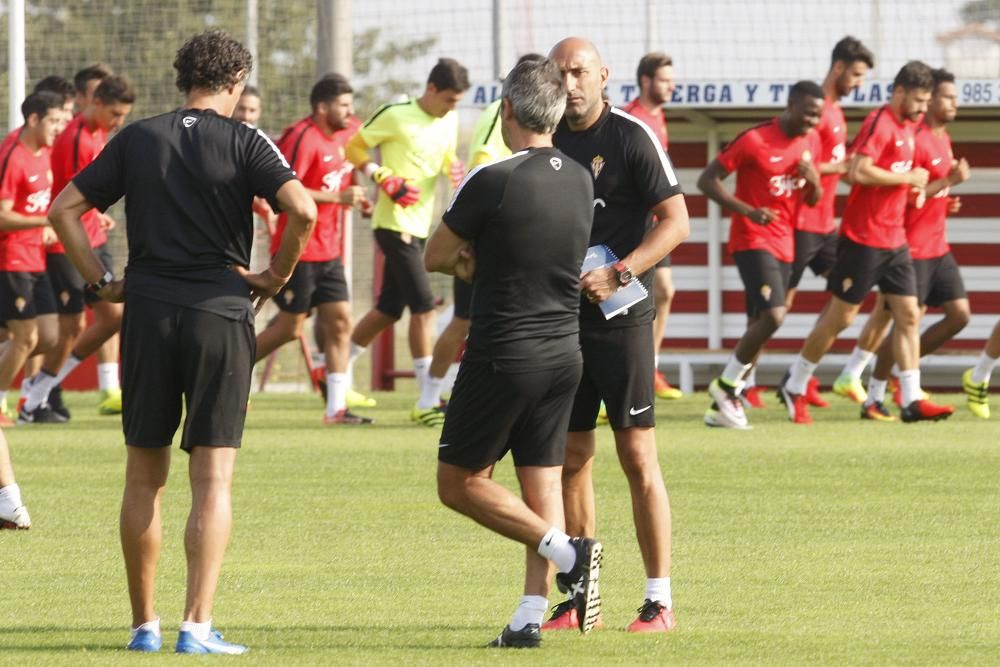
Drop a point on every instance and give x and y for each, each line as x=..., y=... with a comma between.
x=874, y=213
x=319, y=162
x=766, y=161
x=832, y=131
x=75, y=148
x=26, y=180
x=925, y=227
x=656, y=120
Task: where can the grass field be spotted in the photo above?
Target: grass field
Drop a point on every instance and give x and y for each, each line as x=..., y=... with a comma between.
x=841, y=543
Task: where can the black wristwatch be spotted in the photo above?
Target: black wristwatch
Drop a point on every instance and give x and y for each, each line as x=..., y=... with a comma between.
x=624, y=273
x=100, y=284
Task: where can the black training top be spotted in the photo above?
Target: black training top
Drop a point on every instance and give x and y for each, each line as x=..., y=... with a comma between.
x=189, y=178
x=631, y=174
x=529, y=218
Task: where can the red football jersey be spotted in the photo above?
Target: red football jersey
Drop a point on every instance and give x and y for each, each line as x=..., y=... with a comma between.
x=319, y=162
x=657, y=120
x=925, y=227
x=832, y=131
x=874, y=214
x=766, y=160
x=73, y=150
x=26, y=181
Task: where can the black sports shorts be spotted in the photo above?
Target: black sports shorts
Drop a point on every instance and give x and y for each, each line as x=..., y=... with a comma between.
x=67, y=283
x=938, y=280
x=860, y=267
x=312, y=284
x=25, y=295
x=618, y=369
x=174, y=356
x=404, y=280
x=492, y=413
x=817, y=251
x=765, y=280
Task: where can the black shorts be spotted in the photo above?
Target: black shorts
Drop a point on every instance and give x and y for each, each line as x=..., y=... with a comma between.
x=618, y=369
x=664, y=263
x=404, y=280
x=25, y=295
x=938, y=280
x=491, y=413
x=172, y=356
x=68, y=285
x=312, y=284
x=817, y=251
x=765, y=280
x=462, y=298
x=860, y=267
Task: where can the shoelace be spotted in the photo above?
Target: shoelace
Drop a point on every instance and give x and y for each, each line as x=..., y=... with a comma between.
x=561, y=608
x=977, y=392
x=649, y=610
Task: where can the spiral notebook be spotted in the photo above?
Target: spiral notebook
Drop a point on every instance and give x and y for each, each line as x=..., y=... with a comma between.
x=599, y=257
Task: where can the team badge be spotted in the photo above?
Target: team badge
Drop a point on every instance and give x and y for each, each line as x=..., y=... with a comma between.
x=19, y=303
x=847, y=284
x=64, y=297
x=188, y=121
x=556, y=163
x=765, y=291
x=289, y=295
x=596, y=166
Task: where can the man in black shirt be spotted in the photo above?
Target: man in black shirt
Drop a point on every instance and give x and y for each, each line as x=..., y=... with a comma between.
x=517, y=229
x=189, y=178
x=633, y=178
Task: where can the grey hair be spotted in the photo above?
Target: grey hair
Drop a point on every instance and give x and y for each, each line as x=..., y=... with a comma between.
x=536, y=94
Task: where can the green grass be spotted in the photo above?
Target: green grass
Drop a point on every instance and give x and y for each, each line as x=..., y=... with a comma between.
x=845, y=542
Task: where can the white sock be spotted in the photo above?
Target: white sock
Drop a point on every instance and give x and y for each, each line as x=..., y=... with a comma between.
x=658, y=590
x=422, y=368
x=430, y=392
x=895, y=370
x=909, y=385
x=876, y=390
x=750, y=379
x=857, y=362
x=734, y=371
x=26, y=383
x=107, y=376
x=531, y=610
x=336, y=393
x=11, y=494
x=72, y=362
x=38, y=393
x=3, y=396
x=153, y=625
x=983, y=368
x=449, y=379
x=799, y=374
x=199, y=630
x=555, y=547
x=356, y=351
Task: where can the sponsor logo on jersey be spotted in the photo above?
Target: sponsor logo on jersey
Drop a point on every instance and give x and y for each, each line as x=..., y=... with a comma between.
x=776, y=158
x=597, y=166
x=901, y=167
x=784, y=185
x=38, y=202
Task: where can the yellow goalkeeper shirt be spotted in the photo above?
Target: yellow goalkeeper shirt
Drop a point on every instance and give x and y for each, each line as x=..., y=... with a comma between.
x=487, y=141
x=418, y=147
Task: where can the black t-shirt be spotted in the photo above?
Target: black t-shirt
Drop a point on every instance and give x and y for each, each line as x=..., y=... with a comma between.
x=189, y=178
x=631, y=174
x=529, y=219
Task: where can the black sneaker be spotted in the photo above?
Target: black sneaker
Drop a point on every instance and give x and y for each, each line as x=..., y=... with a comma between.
x=527, y=637
x=43, y=414
x=581, y=583
x=56, y=402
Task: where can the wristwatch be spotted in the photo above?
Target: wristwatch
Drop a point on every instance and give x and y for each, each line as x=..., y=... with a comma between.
x=624, y=273
x=100, y=284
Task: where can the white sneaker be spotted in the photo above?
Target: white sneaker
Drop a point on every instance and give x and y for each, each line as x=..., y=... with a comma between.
x=15, y=519
x=730, y=407
x=715, y=420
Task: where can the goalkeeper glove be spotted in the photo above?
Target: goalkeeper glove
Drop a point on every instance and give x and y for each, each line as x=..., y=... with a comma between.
x=401, y=192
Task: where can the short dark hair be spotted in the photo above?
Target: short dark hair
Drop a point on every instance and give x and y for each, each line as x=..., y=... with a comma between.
x=211, y=61
x=115, y=89
x=914, y=74
x=54, y=83
x=449, y=74
x=651, y=62
x=804, y=88
x=40, y=102
x=850, y=50
x=253, y=91
x=99, y=71
x=941, y=75
x=329, y=88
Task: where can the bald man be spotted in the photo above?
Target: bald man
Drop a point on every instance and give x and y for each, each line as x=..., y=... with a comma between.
x=634, y=184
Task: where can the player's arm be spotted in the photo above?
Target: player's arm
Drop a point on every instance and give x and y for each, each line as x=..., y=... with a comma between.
x=711, y=183
x=449, y=253
x=65, y=214
x=671, y=226
x=959, y=173
x=11, y=221
x=863, y=171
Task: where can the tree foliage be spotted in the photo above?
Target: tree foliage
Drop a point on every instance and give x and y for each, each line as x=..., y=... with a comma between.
x=981, y=11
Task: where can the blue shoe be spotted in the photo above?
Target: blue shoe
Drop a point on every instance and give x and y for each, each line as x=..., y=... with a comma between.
x=188, y=643
x=145, y=640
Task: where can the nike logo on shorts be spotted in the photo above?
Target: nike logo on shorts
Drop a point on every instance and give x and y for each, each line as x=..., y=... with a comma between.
x=446, y=444
x=632, y=411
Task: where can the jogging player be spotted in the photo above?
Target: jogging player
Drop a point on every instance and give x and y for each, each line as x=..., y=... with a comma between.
x=976, y=380
x=633, y=178
x=872, y=248
x=522, y=221
x=188, y=177
x=418, y=139
x=775, y=173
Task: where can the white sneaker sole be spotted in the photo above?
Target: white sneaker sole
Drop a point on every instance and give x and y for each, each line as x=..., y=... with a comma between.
x=592, y=592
